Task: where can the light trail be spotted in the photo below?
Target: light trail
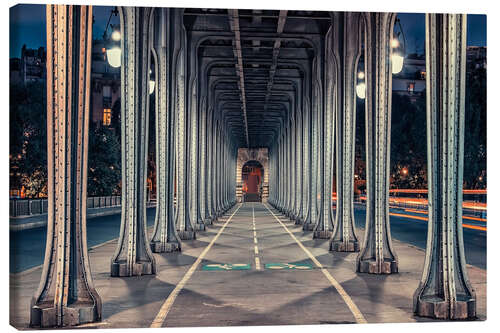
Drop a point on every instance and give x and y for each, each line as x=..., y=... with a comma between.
x=422, y=218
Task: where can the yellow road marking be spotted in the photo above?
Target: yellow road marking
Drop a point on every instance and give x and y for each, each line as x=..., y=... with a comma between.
x=165, y=308
x=360, y=319
x=257, y=263
x=256, y=250
x=255, y=240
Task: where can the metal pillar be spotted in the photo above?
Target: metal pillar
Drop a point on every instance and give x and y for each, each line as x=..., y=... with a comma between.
x=377, y=255
x=445, y=291
x=165, y=238
x=192, y=131
x=66, y=295
x=346, y=48
x=315, y=157
x=306, y=168
x=133, y=255
x=324, y=227
x=210, y=168
x=183, y=222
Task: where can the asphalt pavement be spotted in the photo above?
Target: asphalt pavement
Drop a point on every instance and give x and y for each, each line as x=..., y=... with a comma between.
x=27, y=247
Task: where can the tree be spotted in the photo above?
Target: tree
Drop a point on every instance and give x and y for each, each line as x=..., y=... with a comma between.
x=475, y=128
x=104, y=162
x=28, y=138
x=408, y=142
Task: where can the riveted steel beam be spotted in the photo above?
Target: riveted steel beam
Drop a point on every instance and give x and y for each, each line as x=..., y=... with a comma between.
x=346, y=51
x=324, y=226
x=185, y=228
x=235, y=27
x=133, y=255
x=66, y=295
x=165, y=238
x=193, y=133
x=316, y=145
x=377, y=255
x=445, y=291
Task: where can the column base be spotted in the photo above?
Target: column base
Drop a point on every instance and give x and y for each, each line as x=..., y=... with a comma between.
x=207, y=221
x=372, y=267
x=45, y=315
x=186, y=234
x=308, y=227
x=200, y=226
x=437, y=308
x=121, y=269
x=339, y=246
x=159, y=247
x=324, y=234
x=298, y=221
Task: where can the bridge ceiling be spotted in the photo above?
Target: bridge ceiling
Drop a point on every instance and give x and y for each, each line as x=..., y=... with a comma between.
x=266, y=54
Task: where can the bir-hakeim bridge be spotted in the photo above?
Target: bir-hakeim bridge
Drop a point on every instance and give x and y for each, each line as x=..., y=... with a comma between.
x=274, y=87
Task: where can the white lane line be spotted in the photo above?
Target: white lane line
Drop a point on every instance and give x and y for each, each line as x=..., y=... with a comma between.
x=165, y=308
x=257, y=263
x=360, y=319
x=256, y=249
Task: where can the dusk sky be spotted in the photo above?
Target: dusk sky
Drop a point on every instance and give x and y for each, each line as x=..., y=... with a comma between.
x=27, y=26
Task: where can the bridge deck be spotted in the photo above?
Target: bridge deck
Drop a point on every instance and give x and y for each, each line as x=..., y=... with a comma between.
x=251, y=268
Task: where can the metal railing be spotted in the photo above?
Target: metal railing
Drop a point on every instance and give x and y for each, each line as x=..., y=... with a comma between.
x=29, y=207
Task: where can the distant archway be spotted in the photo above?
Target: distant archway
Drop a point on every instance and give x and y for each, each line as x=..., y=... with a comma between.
x=252, y=174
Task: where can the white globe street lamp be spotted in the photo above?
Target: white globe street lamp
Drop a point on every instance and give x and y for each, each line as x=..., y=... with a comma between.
x=114, y=56
x=151, y=83
x=397, y=63
x=361, y=86
x=361, y=90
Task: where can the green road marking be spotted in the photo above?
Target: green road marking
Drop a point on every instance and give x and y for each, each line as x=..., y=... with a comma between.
x=225, y=267
x=287, y=266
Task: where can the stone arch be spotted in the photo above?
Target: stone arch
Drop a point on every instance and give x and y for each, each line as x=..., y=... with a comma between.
x=256, y=154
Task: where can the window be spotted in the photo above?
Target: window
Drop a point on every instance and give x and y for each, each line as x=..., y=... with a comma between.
x=411, y=87
x=106, y=97
x=106, y=117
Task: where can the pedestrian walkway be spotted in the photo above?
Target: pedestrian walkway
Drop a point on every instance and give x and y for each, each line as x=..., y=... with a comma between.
x=253, y=267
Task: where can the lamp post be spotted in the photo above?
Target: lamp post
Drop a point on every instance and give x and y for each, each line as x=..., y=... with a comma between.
x=398, y=50
x=361, y=86
x=113, y=51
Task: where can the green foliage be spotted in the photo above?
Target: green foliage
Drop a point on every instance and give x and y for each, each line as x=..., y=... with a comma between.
x=104, y=164
x=475, y=129
x=408, y=142
x=28, y=138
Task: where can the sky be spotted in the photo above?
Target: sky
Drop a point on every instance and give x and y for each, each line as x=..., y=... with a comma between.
x=27, y=26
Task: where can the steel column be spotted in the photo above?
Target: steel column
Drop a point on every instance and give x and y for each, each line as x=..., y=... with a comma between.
x=165, y=238
x=377, y=254
x=346, y=48
x=183, y=222
x=316, y=146
x=324, y=227
x=133, y=255
x=66, y=295
x=445, y=291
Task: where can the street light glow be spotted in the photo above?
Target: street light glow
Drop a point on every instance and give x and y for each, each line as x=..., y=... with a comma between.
x=397, y=63
x=114, y=56
x=151, y=86
x=116, y=36
x=361, y=75
x=394, y=43
x=361, y=90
